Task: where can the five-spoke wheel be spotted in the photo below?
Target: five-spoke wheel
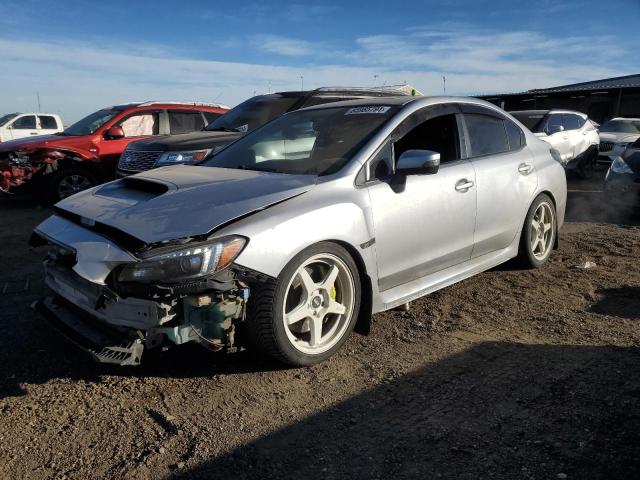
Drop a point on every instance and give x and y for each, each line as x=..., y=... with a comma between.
x=309, y=311
x=539, y=232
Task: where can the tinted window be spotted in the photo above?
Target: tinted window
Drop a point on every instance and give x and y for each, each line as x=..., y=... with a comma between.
x=185, y=122
x=487, y=135
x=515, y=135
x=553, y=122
x=48, y=123
x=253, y=113
x=438, y=134
x=25, y=123
x=571, y=122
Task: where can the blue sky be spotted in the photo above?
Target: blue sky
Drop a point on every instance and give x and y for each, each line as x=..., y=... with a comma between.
x=80, y=56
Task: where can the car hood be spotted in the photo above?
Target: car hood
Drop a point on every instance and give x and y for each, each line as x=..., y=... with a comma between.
x=618, y=137
x=181, y=201
x=185, y=142
x=39, y=141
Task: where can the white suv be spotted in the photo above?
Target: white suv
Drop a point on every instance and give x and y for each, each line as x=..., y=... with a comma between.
x=20, y=125
x=570, y=133
x=615, y=135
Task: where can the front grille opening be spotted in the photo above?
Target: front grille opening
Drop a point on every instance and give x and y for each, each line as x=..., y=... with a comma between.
x=137, y=161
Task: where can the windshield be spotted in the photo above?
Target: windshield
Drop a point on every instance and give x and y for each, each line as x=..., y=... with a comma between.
x=91, y=123
x=533, y=121
x=5, y=119
x=621, y=126
x=253, y=113
x=312, y=142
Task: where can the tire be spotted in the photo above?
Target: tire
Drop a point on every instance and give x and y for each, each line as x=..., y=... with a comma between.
x=533, y=254
x=75, y=179
x=274, y=307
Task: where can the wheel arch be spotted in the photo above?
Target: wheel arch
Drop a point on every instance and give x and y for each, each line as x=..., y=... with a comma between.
x=363, y=323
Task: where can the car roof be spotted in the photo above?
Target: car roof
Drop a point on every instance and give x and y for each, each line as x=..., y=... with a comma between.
x=546, y=112
x=167, y=104
x=629, y=119
x=405, y=100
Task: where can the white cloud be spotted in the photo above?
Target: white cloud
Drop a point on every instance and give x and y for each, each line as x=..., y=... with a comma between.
x=283, y=45
x=75, y=79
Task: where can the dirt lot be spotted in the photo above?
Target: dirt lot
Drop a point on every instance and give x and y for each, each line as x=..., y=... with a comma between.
x=511, y=374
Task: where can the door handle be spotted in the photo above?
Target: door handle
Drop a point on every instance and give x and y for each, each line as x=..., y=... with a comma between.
x=33, y=133
x=464, y=185
x=525, y=168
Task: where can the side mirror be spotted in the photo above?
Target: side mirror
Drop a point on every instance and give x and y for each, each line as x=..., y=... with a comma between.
x=554, y=129
x=418, y=162
x=114, y=133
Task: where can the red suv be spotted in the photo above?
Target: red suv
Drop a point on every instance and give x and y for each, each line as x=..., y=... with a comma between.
x=86, y=153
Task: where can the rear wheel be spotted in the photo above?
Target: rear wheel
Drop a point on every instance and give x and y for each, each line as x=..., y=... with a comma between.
x=538, y=233
x=309, y=311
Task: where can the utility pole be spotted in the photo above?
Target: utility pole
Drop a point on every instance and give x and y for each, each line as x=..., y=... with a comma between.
x=375, y=78
x=444, y=85
x=38, y=95
x=302, y=83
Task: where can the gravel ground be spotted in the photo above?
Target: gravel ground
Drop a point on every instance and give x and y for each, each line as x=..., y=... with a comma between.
x=510, y=374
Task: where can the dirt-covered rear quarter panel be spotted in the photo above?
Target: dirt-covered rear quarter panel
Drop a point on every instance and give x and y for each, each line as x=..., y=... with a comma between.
x=334, y=210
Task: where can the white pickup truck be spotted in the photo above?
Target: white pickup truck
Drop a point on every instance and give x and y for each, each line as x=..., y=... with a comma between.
x=20, y=125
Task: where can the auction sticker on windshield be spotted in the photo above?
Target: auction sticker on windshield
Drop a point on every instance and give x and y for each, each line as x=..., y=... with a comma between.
x=369, y=109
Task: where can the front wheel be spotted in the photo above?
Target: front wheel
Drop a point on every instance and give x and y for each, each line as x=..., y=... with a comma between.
x=309, y=311
x=67, y=182
x=538, y=233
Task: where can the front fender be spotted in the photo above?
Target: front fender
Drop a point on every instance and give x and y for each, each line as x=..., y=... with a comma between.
x=328, y=213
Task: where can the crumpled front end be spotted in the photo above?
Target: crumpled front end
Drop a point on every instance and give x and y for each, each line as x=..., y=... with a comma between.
x=115, y=321
x=20, y=170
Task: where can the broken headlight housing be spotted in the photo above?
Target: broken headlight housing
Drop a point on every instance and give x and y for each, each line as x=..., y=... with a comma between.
x=186, y=263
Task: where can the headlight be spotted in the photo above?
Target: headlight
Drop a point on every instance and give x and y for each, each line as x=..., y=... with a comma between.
x=619, y=166
x=187, y=263
x=170, y=158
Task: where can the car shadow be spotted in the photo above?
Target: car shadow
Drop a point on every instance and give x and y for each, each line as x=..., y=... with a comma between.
x=621, y=302
x=497, y=410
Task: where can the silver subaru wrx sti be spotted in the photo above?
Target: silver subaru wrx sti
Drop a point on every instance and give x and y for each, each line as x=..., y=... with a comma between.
x=293, y=236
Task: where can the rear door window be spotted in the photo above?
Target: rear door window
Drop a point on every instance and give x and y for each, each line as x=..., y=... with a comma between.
x=28, y=122
x=48, y=122
x=185, y=122
x=141, y=125
x=487, y=134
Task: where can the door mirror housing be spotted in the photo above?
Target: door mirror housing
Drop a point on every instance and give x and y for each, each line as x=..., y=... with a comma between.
x=554, y=129
x=114, y=133
x=418, y=162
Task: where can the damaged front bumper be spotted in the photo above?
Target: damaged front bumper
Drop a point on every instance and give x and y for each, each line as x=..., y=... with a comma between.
x=116, y=325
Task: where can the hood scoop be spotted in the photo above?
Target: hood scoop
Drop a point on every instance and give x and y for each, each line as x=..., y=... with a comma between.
x=134, y=190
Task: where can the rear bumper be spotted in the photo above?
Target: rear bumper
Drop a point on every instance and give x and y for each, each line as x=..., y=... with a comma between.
x=102, y=342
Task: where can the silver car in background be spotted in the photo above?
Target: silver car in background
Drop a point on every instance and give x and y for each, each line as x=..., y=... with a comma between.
x=293, y=236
